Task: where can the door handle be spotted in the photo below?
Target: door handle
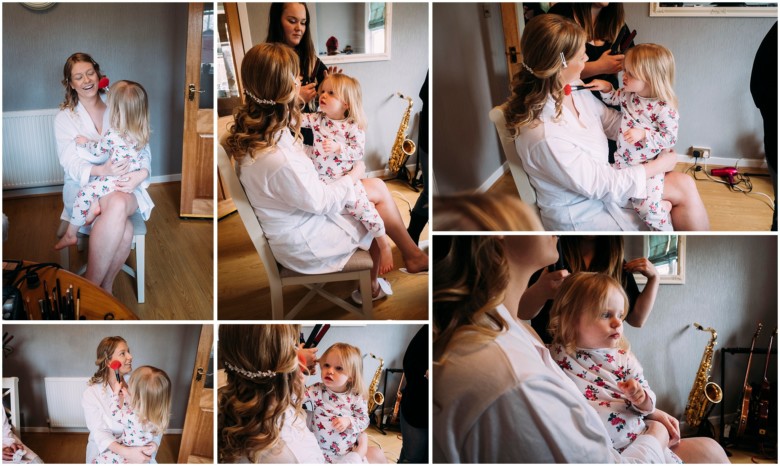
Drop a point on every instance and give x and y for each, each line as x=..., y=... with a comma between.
x=191, y=91
x=512, y=55
x=199, y=373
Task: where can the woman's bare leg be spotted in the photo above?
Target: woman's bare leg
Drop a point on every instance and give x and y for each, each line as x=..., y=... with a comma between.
x=688, y=212
x=375, y=455
x=119, y=259
x=376, y=253
x=414, y=258
x=108, y=245
x=700, y=450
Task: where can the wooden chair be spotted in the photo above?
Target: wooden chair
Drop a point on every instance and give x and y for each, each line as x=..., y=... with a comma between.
x=11, y=394
x=358, y=267
x=522, y=181
x=139, y=245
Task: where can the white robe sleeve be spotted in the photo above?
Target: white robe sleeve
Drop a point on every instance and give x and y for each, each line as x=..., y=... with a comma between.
x=93, y=414
x=298, y=184
x=565, y=165
x=65, y=132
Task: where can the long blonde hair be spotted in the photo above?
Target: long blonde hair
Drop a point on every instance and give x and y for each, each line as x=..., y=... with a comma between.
x=352, y=363
x=579, y=293
x=484, y=212
x=544, y=39
x=347, y=90
x=470, y=279
x=128, y=112
x=269, y=72
x=150, y=392
x=653, y=64
x=105, y=350
x=252, y=407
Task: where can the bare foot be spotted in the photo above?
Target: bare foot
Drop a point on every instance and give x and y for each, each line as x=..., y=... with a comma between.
x=68, y=239
x=385, y=255
x=92, y=213
x=418, y=262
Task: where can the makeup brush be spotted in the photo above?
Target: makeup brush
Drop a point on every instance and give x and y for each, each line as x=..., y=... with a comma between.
x=568, y=88
x=103, y=83
x=115, y=365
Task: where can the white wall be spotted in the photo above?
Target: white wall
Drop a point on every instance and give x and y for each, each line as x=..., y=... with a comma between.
x=404, y=72
x=69, y=351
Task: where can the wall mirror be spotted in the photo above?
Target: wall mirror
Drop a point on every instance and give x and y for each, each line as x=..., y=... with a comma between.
x=747, y=9
x=666, y=252
x=351, y=32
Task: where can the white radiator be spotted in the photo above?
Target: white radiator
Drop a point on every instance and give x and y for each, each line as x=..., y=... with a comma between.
x=63, y=397
x=30, y=150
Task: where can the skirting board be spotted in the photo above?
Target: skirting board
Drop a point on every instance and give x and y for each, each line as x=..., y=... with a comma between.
x=14, y=193
x=46, y=430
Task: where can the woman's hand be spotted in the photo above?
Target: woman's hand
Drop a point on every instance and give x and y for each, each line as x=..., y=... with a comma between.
x=135, y=455
x=333, y=70
x=609, y=64
x=600, y=85
x=110, y=168
x=358, y=172
x=150, y=449
x=642, y=266
x=671, y=424
x=658, y=430
x=309, y=355
x=664, y=162
x=131, y=181
x=307, y=92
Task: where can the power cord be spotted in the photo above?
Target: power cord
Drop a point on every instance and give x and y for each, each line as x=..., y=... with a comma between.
x=741, y=183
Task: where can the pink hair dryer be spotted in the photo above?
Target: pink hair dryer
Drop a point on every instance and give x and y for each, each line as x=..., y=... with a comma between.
x=725, y=172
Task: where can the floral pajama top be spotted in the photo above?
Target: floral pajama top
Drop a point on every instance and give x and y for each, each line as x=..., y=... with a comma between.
x=134, y=433
x=596, y=372
x=328, y=405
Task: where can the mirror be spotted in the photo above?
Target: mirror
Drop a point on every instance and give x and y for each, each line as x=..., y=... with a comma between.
x=666, y=252
x=365, y=27
x=351, y=32
x=229, y=52
x=711, y=9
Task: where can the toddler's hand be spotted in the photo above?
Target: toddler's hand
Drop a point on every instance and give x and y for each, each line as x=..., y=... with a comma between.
x=331, y=147
x=633, y=391
x=341, y=423
x=634, y=135
x=82, y=140
x=599, y=85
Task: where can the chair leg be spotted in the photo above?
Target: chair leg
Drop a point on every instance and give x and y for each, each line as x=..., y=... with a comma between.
x=277, y=303
x=65, y=258
x=365, y=290
x=140, y=265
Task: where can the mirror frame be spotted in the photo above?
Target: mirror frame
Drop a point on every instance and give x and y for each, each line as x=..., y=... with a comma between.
x=735, y=11
x=364, y=57
x=676, y=279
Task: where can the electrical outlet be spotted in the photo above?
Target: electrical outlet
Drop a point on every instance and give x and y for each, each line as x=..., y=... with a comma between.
x=701, y=152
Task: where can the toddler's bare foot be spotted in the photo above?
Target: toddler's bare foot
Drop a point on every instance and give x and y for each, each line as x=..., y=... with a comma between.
x=385, y=255
x=92, y=213
x=68, y=239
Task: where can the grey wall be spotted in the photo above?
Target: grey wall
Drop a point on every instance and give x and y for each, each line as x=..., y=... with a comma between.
x=731, y=285
x=714, y=58
x=404, y=72
x=143, y=42
x=69, y=351
x=385, y=341
x=470, y=77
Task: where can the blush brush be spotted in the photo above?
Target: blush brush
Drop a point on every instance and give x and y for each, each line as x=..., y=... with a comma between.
x=115, y=365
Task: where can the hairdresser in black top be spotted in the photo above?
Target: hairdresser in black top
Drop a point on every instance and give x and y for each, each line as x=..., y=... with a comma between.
x=288, y=23
x=590, y=254
x=604, y=23
x=414, y=401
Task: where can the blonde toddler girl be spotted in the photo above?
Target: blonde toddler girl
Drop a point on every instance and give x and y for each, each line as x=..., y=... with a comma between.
x=649, y=122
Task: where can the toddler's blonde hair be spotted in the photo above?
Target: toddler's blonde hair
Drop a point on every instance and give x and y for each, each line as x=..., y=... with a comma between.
x=347, y=90
x=582, y=292
x=654, y=65
x=352, y=363
x=150, y=390
x=128, y=112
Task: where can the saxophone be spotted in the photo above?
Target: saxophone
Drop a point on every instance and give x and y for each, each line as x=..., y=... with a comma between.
x=375, y=398
x=703, y=391
x=402, y=147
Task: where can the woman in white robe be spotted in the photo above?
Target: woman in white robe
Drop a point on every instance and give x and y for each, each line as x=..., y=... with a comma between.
x=85, y=113
x=562, y=142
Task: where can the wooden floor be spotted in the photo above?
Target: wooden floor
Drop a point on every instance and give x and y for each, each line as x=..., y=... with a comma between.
x=71, y=448
x=179, y=253
x=727, y=210
x=390, y=442
x=243, y=292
